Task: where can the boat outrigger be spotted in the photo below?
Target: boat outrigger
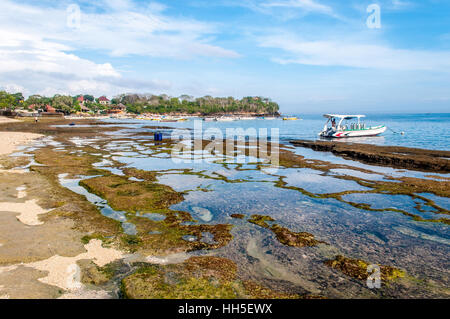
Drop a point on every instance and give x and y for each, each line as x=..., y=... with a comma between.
x=340, y=128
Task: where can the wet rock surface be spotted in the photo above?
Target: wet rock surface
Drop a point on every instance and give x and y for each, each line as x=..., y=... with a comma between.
x=357, y=268
x=395, y=156
x=197, y=278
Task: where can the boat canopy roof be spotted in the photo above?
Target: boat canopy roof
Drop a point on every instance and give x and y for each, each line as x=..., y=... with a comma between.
x=345, y=117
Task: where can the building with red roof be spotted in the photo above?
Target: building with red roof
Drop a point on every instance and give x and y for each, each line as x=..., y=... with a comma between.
x=104, y=100
x=81, y=100
x=49, y=109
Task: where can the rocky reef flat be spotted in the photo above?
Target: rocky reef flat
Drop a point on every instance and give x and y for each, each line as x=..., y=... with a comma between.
x=393, y=156
x=101, y=210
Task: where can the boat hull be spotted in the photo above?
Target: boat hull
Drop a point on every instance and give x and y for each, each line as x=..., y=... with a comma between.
x=374, y=131
x=225, y=119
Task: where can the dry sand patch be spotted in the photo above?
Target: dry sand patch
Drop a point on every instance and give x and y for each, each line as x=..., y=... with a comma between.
x=22, y=282
x=64, y=272
x=28, y=211
x=9, y=141
x=23, y=243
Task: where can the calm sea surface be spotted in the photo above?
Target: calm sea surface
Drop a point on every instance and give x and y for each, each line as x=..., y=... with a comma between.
x=430, y=131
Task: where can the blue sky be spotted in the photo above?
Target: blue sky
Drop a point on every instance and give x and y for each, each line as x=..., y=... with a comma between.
x=308, y=55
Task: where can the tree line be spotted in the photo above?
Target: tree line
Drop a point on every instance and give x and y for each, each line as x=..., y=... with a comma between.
x=143, y=103
x=186, y=104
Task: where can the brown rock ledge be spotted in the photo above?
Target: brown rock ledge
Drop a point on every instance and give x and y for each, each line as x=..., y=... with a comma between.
x=393, y=156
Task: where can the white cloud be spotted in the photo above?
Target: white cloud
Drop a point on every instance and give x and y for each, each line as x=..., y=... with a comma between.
x=29, y=63
x=400, y=4
x=38, y=48
x=354, y=54
x=308, y=5
x=285, y=9
x=119, y=28
x=21, y=52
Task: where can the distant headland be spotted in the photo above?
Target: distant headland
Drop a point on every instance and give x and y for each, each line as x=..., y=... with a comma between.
x=139, y=104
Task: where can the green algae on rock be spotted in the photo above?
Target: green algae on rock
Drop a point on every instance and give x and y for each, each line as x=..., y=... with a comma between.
x=140, y=174
x=197, y=278
x=125, y=195
x=131, y=197
x=259, y=292
x=93, y=274
x=357, y=268
x=290, y=238
x=284, y=235
x=204, y=277
x=261, y=220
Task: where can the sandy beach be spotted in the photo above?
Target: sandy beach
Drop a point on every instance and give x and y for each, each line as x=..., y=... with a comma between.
x=10, y=140
x=7, y=120
x=53, y=246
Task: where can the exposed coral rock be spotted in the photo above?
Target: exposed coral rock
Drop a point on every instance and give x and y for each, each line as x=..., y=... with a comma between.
x=284, y=235
x=395, y=156
x=357, y=268
x=197, y=278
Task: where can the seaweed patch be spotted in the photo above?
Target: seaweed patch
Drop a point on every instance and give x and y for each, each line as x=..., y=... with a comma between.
x=284, y=235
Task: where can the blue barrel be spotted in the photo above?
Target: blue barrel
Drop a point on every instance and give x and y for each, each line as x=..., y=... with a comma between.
x=158, y=136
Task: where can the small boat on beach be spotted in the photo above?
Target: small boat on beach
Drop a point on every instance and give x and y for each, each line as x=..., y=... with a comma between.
x=226, y=119
x=341, y=128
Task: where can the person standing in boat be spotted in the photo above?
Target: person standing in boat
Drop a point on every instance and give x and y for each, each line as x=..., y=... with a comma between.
x=333, y=123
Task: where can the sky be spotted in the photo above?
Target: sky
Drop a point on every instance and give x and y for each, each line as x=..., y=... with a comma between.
x=308, y=55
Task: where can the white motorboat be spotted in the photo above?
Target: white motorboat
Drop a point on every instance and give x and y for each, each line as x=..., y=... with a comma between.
x=341, y=127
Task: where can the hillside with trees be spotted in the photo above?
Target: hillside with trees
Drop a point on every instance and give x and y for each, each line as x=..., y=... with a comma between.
x=185, y=104
x=140, y=103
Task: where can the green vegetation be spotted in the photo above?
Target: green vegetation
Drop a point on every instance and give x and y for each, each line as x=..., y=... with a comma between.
x=189, y=105
x=204, y=277
x=357, y=268
x=284, y=235
x=10, y=101
x=138, y=104
x=135, y=198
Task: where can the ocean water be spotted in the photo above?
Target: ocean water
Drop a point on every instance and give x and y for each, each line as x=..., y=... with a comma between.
x=429, y=131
